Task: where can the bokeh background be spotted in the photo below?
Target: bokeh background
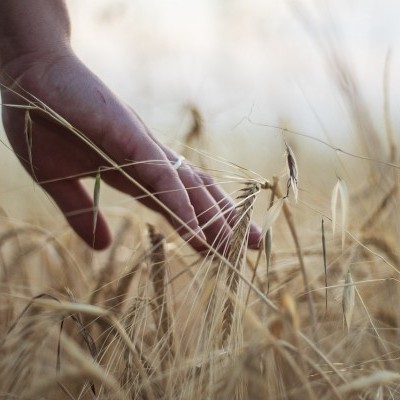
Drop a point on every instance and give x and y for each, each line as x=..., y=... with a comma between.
x=229, y=57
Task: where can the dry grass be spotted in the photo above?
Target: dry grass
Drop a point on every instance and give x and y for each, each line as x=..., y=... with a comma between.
x=312, y=315
x=174, y=325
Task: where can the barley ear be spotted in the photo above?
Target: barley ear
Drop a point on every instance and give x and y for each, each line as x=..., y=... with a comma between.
x=237, y=249
x=293, y=172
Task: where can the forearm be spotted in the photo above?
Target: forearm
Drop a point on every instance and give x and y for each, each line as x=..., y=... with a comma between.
x=32, y=29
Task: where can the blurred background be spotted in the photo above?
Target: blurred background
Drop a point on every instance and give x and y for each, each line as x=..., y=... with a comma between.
x=231, y=57
x=273, y=62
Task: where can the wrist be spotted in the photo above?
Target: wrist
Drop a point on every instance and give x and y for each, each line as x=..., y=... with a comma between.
x=34, y=64
x=31, y=32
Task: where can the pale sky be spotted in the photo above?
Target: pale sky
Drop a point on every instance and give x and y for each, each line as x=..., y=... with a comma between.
x=231, y=56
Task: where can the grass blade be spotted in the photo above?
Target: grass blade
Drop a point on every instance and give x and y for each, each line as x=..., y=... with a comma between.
x=324, y=258
x=96, y=198
x=293, y=172
x=29, y=139
x=268, y=250
x=271, y=215
x=341, y=189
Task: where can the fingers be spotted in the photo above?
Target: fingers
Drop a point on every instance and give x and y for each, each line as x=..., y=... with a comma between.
x=212, y=221
x=206, y=209
x=210, y=216
x=121, y=183
x=229, y=210
x=162, y=180
x=217, y=202
x=215, y=210
x=77, y=206
x=180, y=195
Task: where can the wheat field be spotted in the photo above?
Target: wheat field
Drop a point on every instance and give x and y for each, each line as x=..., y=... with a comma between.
x=312, y=314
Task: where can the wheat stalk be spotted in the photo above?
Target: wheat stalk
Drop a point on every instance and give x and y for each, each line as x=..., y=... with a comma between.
x=158, y=277
x=135, y=360
x=289, y=219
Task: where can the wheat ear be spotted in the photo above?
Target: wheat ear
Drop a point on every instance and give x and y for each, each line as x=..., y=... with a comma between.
x=236, y=252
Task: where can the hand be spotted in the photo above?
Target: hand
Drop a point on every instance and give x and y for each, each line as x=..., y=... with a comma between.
x=66, y=86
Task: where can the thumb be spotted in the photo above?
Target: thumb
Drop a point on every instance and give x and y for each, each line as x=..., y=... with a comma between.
x=77, y=207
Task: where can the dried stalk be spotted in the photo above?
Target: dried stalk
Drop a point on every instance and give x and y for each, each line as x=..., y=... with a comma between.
x=157, y=276
x=289, y=219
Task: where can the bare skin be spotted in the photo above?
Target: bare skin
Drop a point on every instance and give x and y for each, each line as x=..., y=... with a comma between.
x=35, y=55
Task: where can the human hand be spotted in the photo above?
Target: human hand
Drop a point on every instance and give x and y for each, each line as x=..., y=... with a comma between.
x=189, y=200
